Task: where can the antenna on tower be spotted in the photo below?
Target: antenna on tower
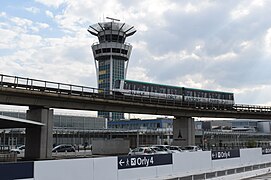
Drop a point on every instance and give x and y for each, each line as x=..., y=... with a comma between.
x=113, y=19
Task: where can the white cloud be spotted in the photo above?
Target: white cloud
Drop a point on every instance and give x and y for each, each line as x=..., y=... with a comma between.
x=33, y=10
x=7, y=36
x=267, y=41
x=246, y=8
x=42, y=25
x=140, y=73
x=52, y=3
x=3, y=14
x=27, y=41
x=21, y=21
x=191, y=8
x=226, y=56
x=239, y=13
x=49, y=14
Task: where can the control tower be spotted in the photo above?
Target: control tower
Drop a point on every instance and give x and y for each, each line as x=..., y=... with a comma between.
x=111, y=56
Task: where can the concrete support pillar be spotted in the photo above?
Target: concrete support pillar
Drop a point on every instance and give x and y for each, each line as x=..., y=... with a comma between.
x=183, y=131
x=39, y=140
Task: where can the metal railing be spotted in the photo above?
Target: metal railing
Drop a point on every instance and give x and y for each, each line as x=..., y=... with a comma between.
x=28, y=84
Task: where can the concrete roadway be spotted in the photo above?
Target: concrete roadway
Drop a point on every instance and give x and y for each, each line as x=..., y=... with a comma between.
x=262, y=177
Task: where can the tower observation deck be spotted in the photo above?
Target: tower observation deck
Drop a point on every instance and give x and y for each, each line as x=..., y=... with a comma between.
x=111, y=56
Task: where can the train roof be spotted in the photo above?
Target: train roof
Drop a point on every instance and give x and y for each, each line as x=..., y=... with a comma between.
x=175, y=86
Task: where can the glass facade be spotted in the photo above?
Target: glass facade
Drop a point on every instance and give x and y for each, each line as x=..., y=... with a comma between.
x=104, y=82
x=104, y=74
x=136, y=124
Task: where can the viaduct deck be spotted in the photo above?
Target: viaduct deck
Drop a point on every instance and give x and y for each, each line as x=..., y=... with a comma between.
x=31, y=92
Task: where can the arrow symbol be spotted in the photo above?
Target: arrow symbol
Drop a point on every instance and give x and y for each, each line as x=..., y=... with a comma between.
x=121, y=162
x=213, y=155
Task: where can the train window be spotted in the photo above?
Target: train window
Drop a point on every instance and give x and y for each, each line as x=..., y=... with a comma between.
x=229, y=97
x=194, y=94
x=143, y=88
x=213, y=95
x=156, y=89
x=179, y=91
x=162, y=89
x=170, y=91
x=210, y=95
x=187, y=93
x=139, y=87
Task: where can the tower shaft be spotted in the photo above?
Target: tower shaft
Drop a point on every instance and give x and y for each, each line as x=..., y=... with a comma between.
x=111, y=57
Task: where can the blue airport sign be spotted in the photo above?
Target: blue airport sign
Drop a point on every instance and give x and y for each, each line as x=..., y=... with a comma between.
x=19, y=170
x=225, y=154
x=125, y=162
x=266, y=150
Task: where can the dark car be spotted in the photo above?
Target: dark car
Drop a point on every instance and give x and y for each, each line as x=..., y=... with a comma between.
x=64, y=148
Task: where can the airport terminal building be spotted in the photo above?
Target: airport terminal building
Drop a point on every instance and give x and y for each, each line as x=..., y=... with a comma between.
x=211, y=134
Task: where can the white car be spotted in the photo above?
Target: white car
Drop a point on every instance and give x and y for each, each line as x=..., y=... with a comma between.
x=191, y=149
x=142, y=151
x=163, y=148
x=18, y=150
x=159, y=150
x=175, y=149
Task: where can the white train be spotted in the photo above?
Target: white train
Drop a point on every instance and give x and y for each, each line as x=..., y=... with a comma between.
x=206, y=97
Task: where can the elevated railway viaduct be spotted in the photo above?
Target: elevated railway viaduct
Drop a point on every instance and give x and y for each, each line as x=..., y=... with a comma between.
x=41, y=96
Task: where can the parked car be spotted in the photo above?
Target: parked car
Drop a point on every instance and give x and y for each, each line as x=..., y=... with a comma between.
x=64, y=148
x=18, y=150
x=142, y=151
x=159, y=150
x=191, y=148
x=163, y=148
x=175, y=149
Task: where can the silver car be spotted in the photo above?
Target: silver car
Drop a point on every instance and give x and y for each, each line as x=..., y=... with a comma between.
x=142, y=151
x=191, y=148
x=18, y=150
x=163, y=148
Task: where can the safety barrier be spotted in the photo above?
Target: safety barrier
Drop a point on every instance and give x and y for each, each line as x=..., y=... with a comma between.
x=185, y=165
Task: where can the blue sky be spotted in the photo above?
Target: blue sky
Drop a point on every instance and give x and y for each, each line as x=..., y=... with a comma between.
x=218, y=45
